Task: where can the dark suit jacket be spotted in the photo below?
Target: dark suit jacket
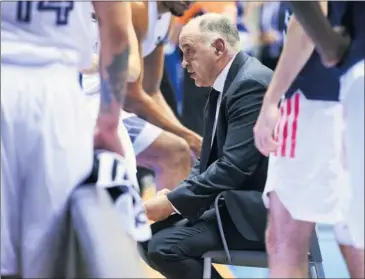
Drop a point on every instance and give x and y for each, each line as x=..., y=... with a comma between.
x=233, y=164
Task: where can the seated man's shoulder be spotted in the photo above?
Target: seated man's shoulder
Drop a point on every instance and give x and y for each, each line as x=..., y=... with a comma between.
x=253, y=78
x=253, y=82
x=255, y=71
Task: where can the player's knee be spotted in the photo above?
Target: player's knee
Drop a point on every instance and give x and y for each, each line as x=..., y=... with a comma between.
x=182, y=152
x=285, y=235
x=176, y=153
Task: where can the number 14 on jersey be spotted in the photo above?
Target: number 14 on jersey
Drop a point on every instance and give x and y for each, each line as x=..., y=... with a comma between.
x=25, y=10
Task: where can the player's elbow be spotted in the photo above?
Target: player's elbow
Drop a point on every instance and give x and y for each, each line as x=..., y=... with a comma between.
x=134, y=68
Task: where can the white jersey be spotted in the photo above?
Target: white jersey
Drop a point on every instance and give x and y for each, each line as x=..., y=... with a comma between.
x=43, y=32
x=158, y=27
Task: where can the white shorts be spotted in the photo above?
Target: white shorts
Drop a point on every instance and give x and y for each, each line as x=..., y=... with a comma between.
x=46, y=151
x=307, y=171
x=141, y=132
x=352, y=98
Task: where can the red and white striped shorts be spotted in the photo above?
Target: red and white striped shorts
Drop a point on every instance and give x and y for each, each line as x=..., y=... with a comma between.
x=307, y=171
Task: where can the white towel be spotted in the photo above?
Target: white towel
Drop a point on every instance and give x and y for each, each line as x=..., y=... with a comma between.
x=112, y=175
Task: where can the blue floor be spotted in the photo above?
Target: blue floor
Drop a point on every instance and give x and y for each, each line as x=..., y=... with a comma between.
x=333, y=263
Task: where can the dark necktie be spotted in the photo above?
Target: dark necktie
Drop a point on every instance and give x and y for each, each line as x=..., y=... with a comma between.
x=209, y=119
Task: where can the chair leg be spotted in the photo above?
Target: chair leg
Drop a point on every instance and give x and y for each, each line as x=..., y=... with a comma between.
x=312, y=271
x=207, y=268
x=319, y=270
x=316, y=270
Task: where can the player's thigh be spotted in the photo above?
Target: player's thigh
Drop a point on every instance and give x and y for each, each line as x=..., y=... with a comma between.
x=306, y=172
x=142, y=133
x=283, y=228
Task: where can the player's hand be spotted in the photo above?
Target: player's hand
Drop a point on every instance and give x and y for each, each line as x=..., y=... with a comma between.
x=163, y=192
x=158, y=208
x=106, y=135
x=264, y=128
x=195, y=143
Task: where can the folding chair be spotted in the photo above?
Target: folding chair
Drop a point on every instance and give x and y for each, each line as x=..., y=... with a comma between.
x=254, y=258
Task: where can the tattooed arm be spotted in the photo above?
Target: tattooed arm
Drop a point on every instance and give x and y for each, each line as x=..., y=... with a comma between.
x=331, y=45
x=114, y=19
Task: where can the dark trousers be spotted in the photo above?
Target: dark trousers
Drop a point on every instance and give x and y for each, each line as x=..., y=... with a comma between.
x=176, y=248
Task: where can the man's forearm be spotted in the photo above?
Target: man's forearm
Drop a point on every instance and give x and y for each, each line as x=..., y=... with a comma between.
x=291, y=61
x=113, y=81
x=114, y=52
x=160, y=100
x=330, y=44
x=147, y=108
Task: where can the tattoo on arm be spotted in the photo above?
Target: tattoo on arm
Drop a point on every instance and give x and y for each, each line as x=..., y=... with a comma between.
x=113, y=87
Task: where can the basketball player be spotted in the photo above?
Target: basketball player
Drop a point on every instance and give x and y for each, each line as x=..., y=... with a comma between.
x=306, y=182
x=166, y=151
x=46, y=135
x=351, y=69
x=349, y=60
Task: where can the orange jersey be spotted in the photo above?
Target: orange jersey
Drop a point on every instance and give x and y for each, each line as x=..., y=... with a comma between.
x=204, y=7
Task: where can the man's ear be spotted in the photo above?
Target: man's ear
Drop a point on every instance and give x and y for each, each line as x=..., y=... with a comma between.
x=220, y=46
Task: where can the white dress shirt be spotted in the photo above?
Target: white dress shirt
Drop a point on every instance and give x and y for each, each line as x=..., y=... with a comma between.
x=219, y=86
